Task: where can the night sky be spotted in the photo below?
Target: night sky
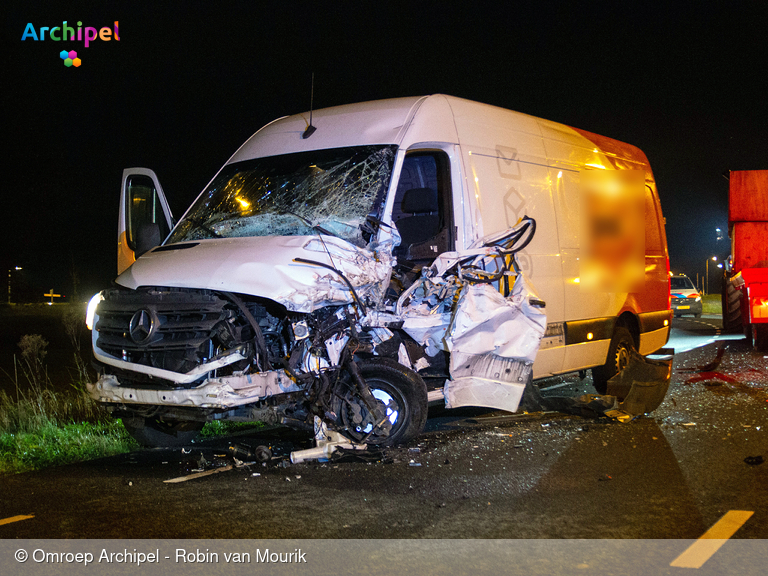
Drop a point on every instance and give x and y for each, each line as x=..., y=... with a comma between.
x=188, y=82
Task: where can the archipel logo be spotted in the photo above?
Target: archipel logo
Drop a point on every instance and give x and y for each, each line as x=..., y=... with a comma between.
x=67, y=34
x=70, y=58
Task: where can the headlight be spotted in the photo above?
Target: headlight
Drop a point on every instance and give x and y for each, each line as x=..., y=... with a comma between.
x=91, y=312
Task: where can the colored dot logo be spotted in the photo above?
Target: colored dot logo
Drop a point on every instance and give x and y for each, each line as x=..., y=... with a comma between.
x=70, y=58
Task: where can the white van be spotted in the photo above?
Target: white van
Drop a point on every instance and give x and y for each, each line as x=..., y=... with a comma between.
x=322, y=271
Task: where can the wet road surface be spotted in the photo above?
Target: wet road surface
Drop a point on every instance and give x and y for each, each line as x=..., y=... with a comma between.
x=473, y=474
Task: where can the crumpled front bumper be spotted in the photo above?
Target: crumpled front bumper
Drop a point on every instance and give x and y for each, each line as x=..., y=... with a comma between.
x=217, y=393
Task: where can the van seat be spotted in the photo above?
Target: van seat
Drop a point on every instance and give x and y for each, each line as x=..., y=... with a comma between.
x=423, y=222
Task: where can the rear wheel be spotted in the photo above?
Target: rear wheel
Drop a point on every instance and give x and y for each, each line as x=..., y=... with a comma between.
x=622, y=344
x=160, y=433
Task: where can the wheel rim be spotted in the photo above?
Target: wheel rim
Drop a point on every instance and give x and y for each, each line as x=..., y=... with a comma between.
x=622, y=357
x=394, y=410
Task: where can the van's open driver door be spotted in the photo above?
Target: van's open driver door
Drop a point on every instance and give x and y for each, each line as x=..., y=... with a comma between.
x=142, y=204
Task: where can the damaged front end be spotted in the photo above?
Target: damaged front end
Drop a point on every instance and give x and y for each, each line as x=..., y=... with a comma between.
x=171, y=359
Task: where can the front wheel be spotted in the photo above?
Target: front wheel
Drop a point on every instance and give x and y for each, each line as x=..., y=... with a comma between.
x=619, y=351
x=404, y=396
x=157, y=433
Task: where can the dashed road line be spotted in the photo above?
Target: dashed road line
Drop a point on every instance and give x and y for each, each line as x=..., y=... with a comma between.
x=711, y=541
x=15, y=519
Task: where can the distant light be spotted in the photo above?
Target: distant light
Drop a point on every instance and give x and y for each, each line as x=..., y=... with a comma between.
x=244, y=203
x=18, y=268
x=596, y=166
x=560, y=174
x=714, y=258
x=719, y=265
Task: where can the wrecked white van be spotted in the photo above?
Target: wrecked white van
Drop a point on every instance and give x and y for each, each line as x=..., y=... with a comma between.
x=353, y=268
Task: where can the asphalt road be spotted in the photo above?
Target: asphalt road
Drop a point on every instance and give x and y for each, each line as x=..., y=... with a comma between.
x=671, y=474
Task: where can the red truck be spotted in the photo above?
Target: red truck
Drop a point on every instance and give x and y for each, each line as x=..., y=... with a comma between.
x=745, y=281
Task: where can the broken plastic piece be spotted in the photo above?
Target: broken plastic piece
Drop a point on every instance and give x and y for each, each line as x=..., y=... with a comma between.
x=643, y=383
x=327, y=442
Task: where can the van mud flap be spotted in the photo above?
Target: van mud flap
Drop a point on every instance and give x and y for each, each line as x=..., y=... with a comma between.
x=638, y=389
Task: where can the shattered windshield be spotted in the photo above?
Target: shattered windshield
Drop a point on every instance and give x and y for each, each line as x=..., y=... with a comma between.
x=328, y=191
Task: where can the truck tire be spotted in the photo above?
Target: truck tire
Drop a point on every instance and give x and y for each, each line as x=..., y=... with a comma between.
x=731, y=300
x=618, y=357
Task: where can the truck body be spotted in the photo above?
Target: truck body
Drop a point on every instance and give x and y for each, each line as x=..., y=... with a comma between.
x=427, y=243
x=745, y=286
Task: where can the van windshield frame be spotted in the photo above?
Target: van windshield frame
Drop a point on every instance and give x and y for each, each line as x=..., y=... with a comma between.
x=331, y=191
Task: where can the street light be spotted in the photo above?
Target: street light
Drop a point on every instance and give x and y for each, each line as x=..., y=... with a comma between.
x=714, y=259
x=9, y=281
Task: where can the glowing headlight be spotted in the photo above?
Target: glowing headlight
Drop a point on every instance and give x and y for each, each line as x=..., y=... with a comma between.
x=91, y=312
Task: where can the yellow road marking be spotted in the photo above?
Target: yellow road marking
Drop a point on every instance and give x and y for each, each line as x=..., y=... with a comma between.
x=15, y=519
x=711, y=541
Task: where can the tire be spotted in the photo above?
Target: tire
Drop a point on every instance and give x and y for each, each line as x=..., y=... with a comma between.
x=731, y=302
x=156, y=433
x=697, y=316
x=618, y=357
x=404, y=393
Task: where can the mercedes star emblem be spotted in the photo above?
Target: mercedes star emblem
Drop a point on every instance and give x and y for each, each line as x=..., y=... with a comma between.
x=141, y=327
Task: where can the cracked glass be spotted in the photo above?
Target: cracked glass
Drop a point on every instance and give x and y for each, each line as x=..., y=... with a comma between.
x=329, y=191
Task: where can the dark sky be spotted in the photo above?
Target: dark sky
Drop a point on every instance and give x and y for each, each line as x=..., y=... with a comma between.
x=189, y=81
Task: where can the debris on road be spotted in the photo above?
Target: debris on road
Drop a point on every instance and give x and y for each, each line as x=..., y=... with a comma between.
x=327, y=442
x=638, y=389
x=199, y=474
x=754, y=460
x=244, y=452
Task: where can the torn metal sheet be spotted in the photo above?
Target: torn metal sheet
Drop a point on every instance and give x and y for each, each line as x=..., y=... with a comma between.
x=486, y=380
x=493, y=343
x=486, y=322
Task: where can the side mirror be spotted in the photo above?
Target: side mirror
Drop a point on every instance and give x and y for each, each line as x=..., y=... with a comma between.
x=148, y=237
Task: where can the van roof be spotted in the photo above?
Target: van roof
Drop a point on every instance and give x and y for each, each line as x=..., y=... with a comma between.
x=407, y=121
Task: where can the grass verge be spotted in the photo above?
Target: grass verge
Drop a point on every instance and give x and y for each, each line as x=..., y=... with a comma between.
x=43, y=425
x=712, y=304
x=54, y=444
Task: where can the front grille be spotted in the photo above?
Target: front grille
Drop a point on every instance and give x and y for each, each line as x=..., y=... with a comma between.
x=172, y=327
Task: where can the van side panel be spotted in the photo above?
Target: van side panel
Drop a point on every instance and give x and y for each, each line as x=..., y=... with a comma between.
x=507, y=175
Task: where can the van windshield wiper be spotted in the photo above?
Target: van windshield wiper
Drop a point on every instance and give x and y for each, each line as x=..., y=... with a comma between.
x=315, y=227
x=203, y=226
